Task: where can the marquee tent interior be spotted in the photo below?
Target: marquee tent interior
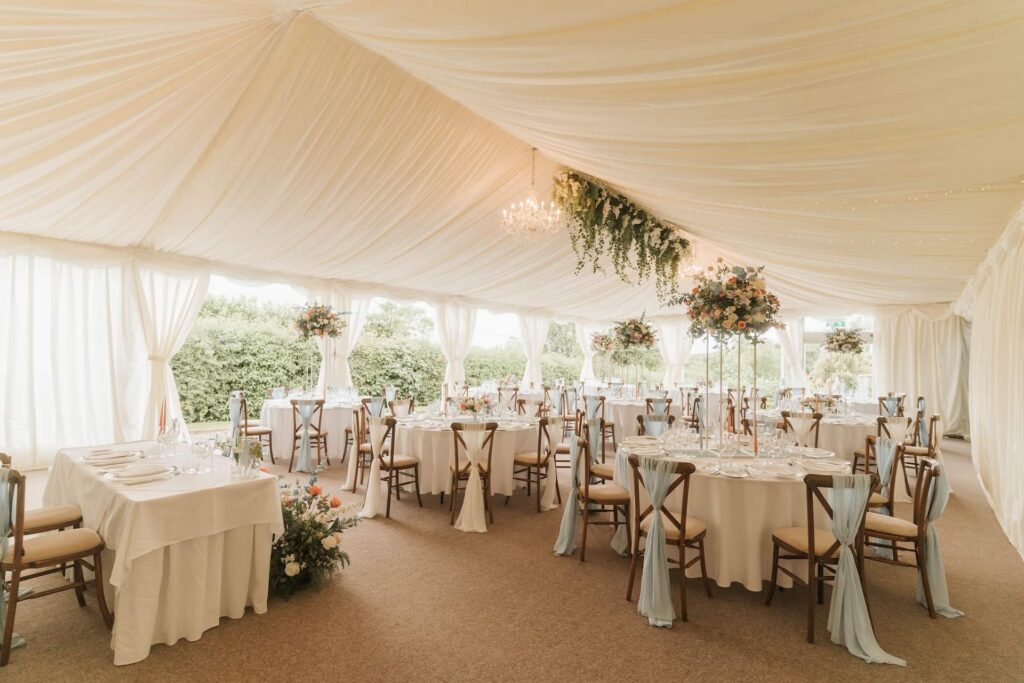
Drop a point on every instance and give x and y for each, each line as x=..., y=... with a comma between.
x=868, y=154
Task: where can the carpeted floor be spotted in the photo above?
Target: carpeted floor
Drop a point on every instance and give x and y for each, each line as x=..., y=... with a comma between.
x=424, y=602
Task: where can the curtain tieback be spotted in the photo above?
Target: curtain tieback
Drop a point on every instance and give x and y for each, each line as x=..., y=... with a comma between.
x=157, y=359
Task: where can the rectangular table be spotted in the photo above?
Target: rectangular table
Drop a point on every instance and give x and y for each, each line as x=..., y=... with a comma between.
x=180, y=553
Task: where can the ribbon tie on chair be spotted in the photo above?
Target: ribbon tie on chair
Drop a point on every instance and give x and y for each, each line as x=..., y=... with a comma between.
x=565, y=544
x=655, y=593
x=471, y=515
x=235, y=413
x=802, y=425
x=378, y=428
x=305, y=409
x=933, y=556
x=554, y=436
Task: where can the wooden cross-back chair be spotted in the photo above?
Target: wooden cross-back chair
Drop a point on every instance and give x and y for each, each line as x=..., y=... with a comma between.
x=888, y=531
x=47, y=518
x=883, y=411
x=252, y=429
x=666, y=407
x=44, y=554
x=644, y=420
x=459, y=468
x=866, y=456
x=682, y=531
x=910, y=455
x=607, y=428
x=531, y=407
x=361, y=449
x=596, y=499
x=693, y=413
x=818, y=547
x=393, y=467
x=815, y=427
x=402, y=407
x=508, y=397
x=317, y=436
x=532, y=467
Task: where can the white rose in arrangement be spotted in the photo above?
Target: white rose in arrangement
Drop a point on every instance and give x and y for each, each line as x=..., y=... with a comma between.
x=292, y=569
x=329, y=542
x=337, y=537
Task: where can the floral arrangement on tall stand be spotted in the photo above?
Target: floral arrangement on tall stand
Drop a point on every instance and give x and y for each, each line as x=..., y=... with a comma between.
x=632, y=338
x=604, y=345
x=323, y=324
x=731, y=302
x=309, y=550
x=842, y=341
x=603, y=223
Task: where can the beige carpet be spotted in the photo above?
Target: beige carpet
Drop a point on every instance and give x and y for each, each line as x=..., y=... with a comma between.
x=424, y=602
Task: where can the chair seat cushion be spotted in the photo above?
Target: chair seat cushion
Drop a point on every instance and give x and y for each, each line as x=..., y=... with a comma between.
x=694, y=527
x=464, y=465
x=252, y=423
x=51, y=516
x=54, y=545
x=529, y=458
x=885, y=524
x=258, y=431
x=608, y=493
x=796, y=537
x=877, y=499
x=915, y=450
x=562, y=448
x=400, y=461
x=603, y=470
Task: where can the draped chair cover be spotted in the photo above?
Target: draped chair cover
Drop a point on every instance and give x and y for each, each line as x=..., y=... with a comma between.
x=658, y=406
x=674, y=345
x=655, y=590
x=335, y=352
x=305, y=409
x=620, y=540
x=885, y=456
x=802, y=425
x=375, y=498
x=390, y=394
x=565, y=544
x=472, y=517
x=584, y=335
x=653, y=426
x=933, y=555
x=6, y=529
x=891, y=405
x=455, y=323
x=353, y=461
x=898, y=428
x=377, y=406
x=169, y=302
x=922, y=429
x=549, y=440
x=593, y=405
x=937, y=454
x=533, y=332
x=848, y=618
x=235, y=412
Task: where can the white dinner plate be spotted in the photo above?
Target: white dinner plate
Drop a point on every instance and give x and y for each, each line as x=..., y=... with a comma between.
x=824, y=467
x=141, y=475
x=813, y=452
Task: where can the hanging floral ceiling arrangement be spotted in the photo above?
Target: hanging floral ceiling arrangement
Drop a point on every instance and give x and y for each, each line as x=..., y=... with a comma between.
x=728, y=301
x=319, y=320
x=602, y=223
x=844, y=341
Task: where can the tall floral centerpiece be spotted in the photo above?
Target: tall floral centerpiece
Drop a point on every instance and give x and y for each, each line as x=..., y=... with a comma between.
x=731, y=301
x=323, y=324
x=604, y=345
x=842, y=342
x=632, y=338
x=310, y=549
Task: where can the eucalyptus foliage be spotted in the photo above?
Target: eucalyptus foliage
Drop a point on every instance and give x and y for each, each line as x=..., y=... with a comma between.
x=603, y=224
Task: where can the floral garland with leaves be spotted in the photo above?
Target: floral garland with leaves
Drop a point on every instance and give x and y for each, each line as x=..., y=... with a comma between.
x=309, y=550
x=319, y=320
x=843, y=340
x=601, y=222
x=634, y=333
x=727, y=301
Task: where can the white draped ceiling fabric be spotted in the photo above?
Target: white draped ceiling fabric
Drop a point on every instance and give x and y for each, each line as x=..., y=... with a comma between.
x=868, y=153
x=455, y=326
x=674, y=345
x=533, y=332
x=791, y=340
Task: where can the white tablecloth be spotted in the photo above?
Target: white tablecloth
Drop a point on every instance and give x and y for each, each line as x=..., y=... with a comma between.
x=623, y=413
x=434, y=448
x=840, y=434
x=181, y=552
x=277, y=414
x=740, y=515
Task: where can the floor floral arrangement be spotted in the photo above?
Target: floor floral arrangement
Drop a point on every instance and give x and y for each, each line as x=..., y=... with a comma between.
x=310, y=550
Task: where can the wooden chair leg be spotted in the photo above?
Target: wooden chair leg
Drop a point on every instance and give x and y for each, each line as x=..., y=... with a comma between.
x=108, y=618
x=12, y=606
x=811, y=589
x=923, y=568
x=344, y=448
x=416, y=472
x=455, y=490
x=704, y=570
x=586, y=521
x=775, y=573
x=487, y=493
x=391, y=476
x=538, y=487
x=632, y=568
x=398, y=486
x=291, y=462
x=821, y=583
x=327, y=453
x=682, y=580
x=79, y=578
x=906, y=479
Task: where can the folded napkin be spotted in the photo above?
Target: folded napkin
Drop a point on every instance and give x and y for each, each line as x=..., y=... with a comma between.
x=141, y=470
x=106, y=457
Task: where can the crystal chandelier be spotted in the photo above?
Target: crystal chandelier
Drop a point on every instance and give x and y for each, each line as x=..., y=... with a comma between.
x=529, y=219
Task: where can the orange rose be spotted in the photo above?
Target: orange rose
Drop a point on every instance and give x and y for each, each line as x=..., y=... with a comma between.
x=741, y=324
x=335, y=502
x=264, y=469
x=314, y=490
x=696, y=289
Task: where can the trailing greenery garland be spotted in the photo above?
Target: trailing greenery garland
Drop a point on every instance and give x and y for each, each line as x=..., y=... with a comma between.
x=601, y=222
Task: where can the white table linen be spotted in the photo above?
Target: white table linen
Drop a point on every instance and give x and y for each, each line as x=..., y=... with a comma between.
x=337, y=417
x=180, y=552
x=433, y=447
x=740, y=515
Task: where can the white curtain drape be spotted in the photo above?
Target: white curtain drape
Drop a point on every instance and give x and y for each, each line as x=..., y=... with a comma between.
x=455, y=325
x=584, y=331
x=922, y=351
x=791, y=340
x=169, y=302
x=997, y=381
x=334, y=353
x=674, y=344
x=72, y=351
x=533, y=332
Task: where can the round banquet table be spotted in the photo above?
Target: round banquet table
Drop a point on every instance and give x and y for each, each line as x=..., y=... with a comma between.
x=740, y=515
x=277, y=414
x=622, y=412
x=433, y=447
x=841, y=434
